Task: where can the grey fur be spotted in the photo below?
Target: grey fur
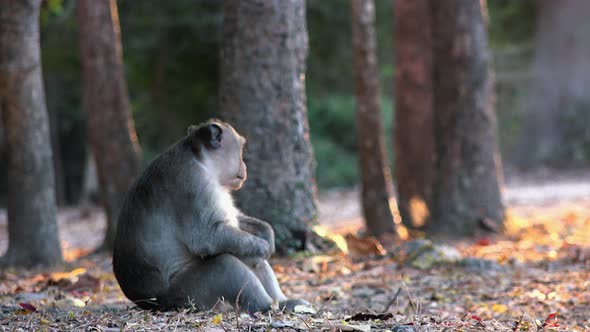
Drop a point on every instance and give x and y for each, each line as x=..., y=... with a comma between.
x=174, y=248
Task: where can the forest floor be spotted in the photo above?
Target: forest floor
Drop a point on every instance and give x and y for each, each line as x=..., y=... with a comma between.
x=535, y=276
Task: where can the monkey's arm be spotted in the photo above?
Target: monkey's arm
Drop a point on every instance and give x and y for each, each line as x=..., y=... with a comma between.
x=259, y=228
x=224, y=238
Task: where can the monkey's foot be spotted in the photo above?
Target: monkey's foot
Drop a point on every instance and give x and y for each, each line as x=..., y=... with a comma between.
x=290, y=304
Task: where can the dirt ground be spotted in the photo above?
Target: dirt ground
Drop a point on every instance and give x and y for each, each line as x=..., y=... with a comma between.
x=534, y=277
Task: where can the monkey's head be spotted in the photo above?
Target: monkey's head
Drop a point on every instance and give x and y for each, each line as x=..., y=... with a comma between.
x=220, y=148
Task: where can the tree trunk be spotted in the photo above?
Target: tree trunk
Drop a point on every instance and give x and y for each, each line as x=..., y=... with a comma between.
x=466, y=187
x=376, y=179
x=2, y=138
x=555, y=127
x=90, y=187
x=263, y=94
x=110, y=126
x=414, y=113
x=31, y=208
x=3, y=158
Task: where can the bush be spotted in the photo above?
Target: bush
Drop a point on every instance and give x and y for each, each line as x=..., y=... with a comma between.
x=332, y=121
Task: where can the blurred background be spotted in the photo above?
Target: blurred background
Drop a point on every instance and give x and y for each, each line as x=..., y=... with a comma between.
x=413, y=95
x=171, y=54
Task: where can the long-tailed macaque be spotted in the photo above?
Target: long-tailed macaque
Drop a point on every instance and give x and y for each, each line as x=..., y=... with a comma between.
x=181, y=241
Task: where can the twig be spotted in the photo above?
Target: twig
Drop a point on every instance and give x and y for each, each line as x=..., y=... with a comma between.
x=325, y=303
x=304, y=322
x=414, y=306
x=237, y=306
x=394, y=299
x=220, y=301
x=518, y=323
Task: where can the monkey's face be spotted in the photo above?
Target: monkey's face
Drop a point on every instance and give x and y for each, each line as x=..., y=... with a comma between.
x=230, y=158
x=221, y=151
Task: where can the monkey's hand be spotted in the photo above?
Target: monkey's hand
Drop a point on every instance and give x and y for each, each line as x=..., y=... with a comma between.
x=259, y=248
x=227, y=239
x=259, y=228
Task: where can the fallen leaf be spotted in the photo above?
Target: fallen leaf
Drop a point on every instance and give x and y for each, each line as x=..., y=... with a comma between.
x=350, y=327
x=214, y=329
x=67, y=275
x=366, y=316
x=548, y=321
x=499, y=308
x=484, y=241
x=217, y=319
x=85, y=283
x=281, y=324
x=362, y=247
x=303, y=309
x=27, y=307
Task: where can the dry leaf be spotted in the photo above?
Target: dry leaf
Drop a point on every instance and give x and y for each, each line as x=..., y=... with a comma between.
x=362, y=247
x=217, y=319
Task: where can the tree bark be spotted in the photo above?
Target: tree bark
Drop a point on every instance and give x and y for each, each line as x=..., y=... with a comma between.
x=555, y=126
x=110, y=127
x=466, y=189
x=31, y=208
x=263, y=94
x=2, y=138
x=375, y=175
x=414, y=111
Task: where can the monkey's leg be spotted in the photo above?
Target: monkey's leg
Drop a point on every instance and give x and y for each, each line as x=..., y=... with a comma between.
x=203, y=283
x=267, y=277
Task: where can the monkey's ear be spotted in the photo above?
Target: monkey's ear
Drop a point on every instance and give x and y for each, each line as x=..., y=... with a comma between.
x=211, y=135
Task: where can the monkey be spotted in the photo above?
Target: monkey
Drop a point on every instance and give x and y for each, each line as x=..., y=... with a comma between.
x=182, y=242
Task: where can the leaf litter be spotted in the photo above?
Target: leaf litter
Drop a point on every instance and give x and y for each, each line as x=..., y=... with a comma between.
x=534, y=277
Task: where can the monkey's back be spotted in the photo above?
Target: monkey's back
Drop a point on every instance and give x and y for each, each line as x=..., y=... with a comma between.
x=147, y=251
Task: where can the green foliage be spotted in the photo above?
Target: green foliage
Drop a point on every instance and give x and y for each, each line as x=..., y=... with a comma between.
x=510, y=29
x=511, y=21
x=172, y=65
x=574, y=124
x=329, y=65
x=334, y=137
x=63, y=90
x=51, y=8
x=330, y=88
x=171, y=53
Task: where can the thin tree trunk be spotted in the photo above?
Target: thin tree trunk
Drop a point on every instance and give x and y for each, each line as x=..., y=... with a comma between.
x=414, y=112
x=90, y=187
x=3, y=164
x=376, y=179
x=263, y=94
x=466, y=189
x=555, y=126
x=2, y=137
x=110, y=126
x=31, y=208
